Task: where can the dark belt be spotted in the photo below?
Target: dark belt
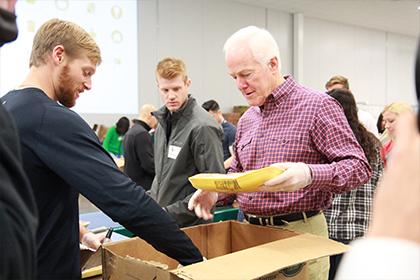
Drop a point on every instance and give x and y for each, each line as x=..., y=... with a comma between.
x=278, y=220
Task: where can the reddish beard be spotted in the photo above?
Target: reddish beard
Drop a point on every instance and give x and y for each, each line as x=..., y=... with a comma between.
x=66, y=90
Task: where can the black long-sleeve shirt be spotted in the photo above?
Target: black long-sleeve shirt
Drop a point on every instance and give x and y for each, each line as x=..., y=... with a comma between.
x=63, y=157
x=18, y=215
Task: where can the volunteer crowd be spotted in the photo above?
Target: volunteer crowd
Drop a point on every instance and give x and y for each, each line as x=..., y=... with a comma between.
x=334, y=156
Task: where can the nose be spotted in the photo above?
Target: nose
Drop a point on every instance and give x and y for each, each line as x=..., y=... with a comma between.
x=88, y=84
x=171, y=95
x=241, y=83
x=387, y=125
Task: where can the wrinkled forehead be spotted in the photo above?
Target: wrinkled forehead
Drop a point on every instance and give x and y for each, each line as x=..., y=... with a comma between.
x=240, y=59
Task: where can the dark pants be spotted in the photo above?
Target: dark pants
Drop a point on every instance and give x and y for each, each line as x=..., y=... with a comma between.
x=335, y=261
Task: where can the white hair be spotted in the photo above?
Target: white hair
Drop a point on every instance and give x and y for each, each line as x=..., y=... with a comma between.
x=261, y=43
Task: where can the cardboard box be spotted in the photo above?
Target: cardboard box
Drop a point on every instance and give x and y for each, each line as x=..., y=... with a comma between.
x=234, y=251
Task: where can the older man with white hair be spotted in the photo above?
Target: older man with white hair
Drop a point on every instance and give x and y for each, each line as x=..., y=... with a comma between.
x=293, y=128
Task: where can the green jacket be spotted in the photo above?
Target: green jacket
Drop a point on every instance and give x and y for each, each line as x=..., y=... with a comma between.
x=113, y=142
x=194, y=146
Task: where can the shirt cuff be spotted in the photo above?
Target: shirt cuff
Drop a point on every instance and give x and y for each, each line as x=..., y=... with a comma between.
x=321, y=175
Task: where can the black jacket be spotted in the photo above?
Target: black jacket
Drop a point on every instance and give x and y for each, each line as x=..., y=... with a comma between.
x=138, y=154
x=18, y=214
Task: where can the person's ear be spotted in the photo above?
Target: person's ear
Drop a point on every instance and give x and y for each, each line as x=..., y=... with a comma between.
x=58, y=54
x=273, y=64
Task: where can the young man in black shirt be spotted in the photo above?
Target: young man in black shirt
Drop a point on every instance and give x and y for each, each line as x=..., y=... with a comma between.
x=63, y=157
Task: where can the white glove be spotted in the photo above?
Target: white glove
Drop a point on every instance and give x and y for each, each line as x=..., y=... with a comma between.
x=202, y=202
x=93, y=241
x=297, y=175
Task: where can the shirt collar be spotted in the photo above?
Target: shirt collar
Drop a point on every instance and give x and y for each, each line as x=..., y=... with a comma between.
x=280, y=93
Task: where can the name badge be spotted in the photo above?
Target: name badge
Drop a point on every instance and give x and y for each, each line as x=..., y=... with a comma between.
x=173, y=151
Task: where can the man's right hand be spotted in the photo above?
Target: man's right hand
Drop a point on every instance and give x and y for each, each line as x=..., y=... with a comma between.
x=202, y=202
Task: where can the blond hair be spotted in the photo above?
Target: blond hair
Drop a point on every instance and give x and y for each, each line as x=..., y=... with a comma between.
x=169, y=68
x=398, y=108
x=338, y=80
x=59, y=32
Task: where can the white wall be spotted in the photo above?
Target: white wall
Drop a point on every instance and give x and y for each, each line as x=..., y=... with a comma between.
x=379, y=65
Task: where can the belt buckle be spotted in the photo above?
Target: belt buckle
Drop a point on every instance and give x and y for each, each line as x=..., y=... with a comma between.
x=260, y=220
x=266, y=221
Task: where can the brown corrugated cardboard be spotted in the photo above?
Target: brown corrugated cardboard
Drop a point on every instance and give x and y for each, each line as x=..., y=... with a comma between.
x=234, y=251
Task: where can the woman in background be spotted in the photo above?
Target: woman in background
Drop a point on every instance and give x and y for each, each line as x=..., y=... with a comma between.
x=390, y=117
x=349, y=215
x=115, y=135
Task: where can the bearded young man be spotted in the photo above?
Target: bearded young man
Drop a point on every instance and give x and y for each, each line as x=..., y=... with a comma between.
x=62, y=157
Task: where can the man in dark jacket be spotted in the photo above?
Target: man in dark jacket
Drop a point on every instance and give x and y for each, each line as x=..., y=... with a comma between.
x=138, y=148
x=188, y=141
x=62, y=156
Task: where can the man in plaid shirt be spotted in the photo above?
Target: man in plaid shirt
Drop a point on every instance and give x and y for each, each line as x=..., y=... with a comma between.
x=293, y=128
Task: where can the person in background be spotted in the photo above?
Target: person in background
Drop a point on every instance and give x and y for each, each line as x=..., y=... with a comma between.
x=380, y=124
x=341, y=82
x=349, y=215
x=18, y=212
x=62, y=157
x=188, y=141
x=138, y=148
x=383, y=134
x=113, y=141
x=390, y=117
x=295, y=129
x=229, y=130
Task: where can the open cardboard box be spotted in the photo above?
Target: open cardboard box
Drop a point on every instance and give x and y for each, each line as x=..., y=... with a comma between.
x=234, y=251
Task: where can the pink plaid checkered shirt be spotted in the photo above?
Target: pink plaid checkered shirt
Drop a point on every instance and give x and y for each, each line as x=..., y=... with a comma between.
x=298, y=124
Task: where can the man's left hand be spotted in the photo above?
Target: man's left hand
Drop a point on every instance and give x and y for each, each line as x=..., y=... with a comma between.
x=297, y=175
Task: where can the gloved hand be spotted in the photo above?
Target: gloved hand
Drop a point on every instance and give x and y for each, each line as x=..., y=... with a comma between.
x=202, y=202
x=93, y=241
x=297, y=175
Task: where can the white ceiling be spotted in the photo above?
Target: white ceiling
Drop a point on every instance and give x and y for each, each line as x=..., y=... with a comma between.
x=397, y=16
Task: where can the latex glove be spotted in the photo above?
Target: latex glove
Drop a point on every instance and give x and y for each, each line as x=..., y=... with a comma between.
x=297, y=175
x=94, y=241
x=202, y=202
